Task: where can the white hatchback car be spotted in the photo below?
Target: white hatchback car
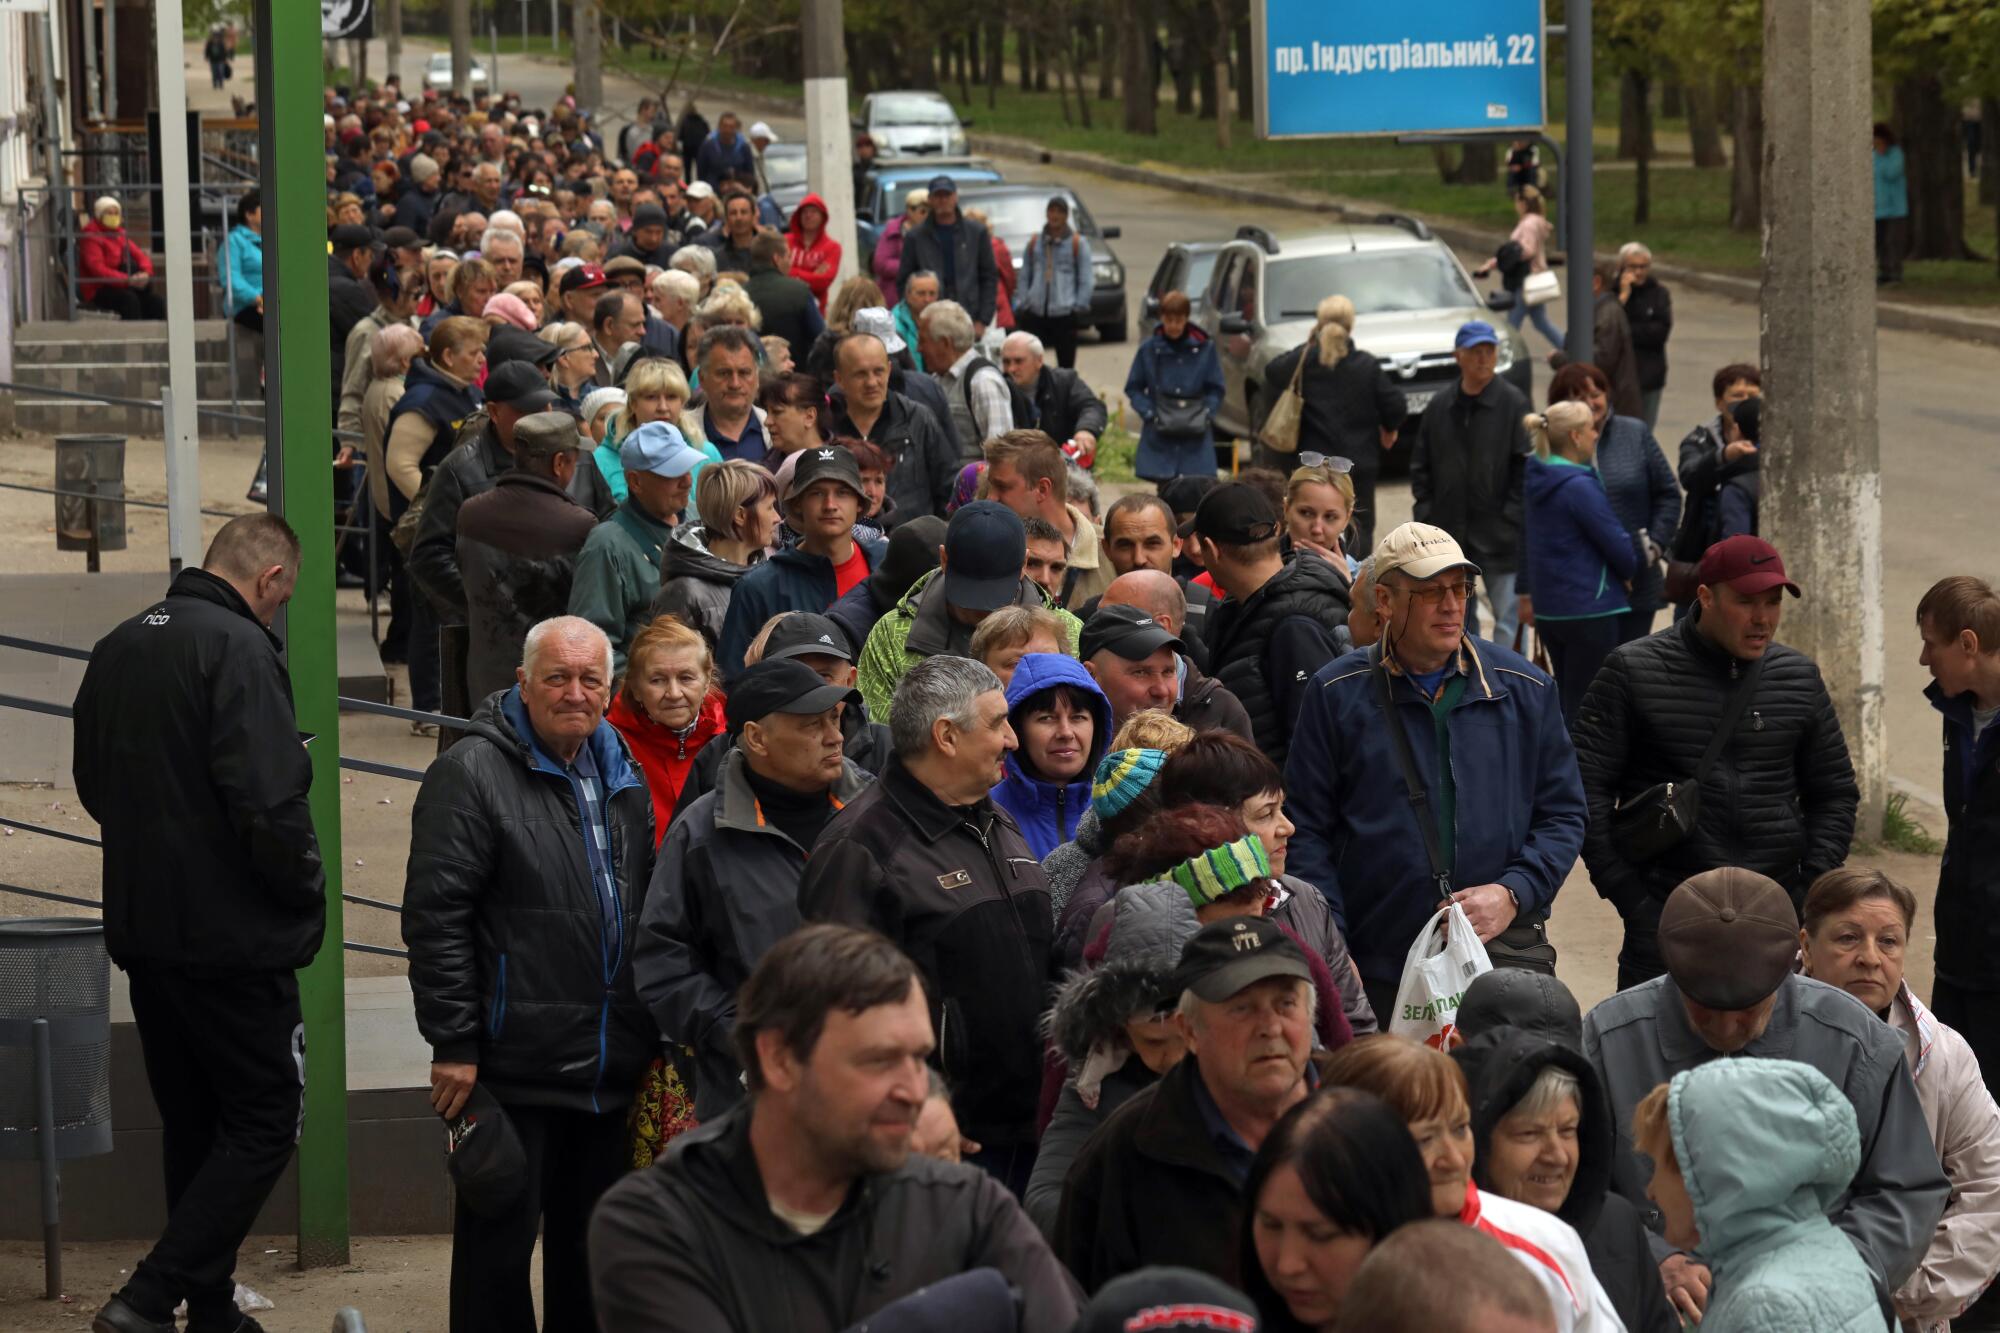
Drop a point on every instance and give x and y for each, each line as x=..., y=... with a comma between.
x=437, y=74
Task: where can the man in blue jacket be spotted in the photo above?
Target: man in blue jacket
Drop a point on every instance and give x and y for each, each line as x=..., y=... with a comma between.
x=1487, y=742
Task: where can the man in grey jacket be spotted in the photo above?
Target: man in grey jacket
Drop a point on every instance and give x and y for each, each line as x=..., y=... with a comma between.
x=1730, y=937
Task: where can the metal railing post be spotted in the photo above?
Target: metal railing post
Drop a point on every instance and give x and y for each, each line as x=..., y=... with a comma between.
x=45, y=1116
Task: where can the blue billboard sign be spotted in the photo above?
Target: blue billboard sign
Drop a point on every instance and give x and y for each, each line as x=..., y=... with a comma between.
x=1335, y=67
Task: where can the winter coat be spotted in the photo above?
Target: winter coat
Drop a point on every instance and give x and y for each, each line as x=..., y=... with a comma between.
x=618, y=575
x=923, y=456
x=1010, y=277
x=664, y=756
x=517, y=963
x=906, y=324
x=1549, y=1248
x=1466, y=471
x=715, y=160
x=1968, y=892
x=1892, y=185
x=888, y=261
x=1643, y=494
x=813, y=262
x=1208, y=705
x=517, y=551
x=866, y=744
x=1070, y=1127
x=349, y=299
x=1500, y=1067
x=1519, y=810
x=107, y=258
x=186, y=754
x=1065, y=866
x=789, y=308
x=1781, y=797
x=791, y=580
x=1649, y=313
x=1056, y=277
x=1641, y=1038
x=358, y=368
x=921, y=626
x=974, y=277
x=691, y=1244
x=1767, y=1148
x=1579, y=556
x=1179, y=368
x=1613, y=354
x=725, y=889
x=1065, y=404
x=697, y=583
x=1266, y=648
x=447, y=405
x=955, y=888
x=246, y=267
x=1347, y=405
x=1703, y=476
x=1046, y=812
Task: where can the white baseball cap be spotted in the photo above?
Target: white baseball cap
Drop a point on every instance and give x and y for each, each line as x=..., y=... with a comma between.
x=1420, y=551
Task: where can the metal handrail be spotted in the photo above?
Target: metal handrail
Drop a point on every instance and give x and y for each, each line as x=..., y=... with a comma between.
x=114, y=499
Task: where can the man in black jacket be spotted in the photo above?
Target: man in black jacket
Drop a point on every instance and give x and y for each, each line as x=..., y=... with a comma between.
x=806, y=1209
x=925, y=857
x=725, y=883
x=1466, y=472
x=531, y=845
x=787, y=305
x=349, y=298
x=188, y=756
x=924, y=461
x=1781, y=797
x=959, y=251
x=1282, y=620
x=1612, y=340
x=1066, y=409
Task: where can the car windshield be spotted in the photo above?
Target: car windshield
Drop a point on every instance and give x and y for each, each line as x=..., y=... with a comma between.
x=911, y=111
x=1016, y=217
x=1393, y=280
x=783, y=171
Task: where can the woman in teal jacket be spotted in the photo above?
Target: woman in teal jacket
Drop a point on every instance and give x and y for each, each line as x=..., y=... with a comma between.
x=245, y=253
x=1892, y=206
x=1748, y=1156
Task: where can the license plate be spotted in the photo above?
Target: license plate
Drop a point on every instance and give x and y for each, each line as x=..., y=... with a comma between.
x=1419, y=400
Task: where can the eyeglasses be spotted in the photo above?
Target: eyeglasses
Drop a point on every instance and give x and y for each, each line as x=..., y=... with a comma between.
x=1331, y=462
x=1436, y=594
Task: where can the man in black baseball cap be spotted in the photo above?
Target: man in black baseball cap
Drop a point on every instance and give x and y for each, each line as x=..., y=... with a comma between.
x=1161, y=1183
x=725, y=881
x=985, y=551
x=349, y=297
x=1133, y=658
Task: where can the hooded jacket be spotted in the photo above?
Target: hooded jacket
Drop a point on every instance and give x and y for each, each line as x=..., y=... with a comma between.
x=665, y=756
x=786, y=307
x=1767, y=1148
x=517, y=963
x=186, y=753
x=921, y=626
x=955, y=888
x=696, y=583
x=813, y=262
x=1500, y=1067
x=1579, y=556
x=691, y=1245
x=107, y=257
x=1266, y=648
x=246, y=267
x=725, y=889
x=517, y=549
x=1183, y=367
x=1047, y=812
x=792, y=580
x=1640, y=484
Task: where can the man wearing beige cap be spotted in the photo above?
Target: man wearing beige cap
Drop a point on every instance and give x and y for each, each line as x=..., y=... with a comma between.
x=1468, y=790
x=1730, y=937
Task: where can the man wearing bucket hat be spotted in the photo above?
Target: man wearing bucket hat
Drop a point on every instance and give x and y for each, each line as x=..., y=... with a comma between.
x=618, y=574
x=1729, y=938
x=1432, y=765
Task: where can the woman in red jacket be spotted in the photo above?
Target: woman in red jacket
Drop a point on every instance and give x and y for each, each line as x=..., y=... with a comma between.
x=667, y=709
x=815, y=255
x=112, y=273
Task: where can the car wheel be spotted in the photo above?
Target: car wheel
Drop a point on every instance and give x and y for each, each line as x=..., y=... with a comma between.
x=1115, y=333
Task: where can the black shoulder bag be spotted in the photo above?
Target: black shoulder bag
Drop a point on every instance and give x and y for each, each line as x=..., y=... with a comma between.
x=1662, y=816
x=1525, y=943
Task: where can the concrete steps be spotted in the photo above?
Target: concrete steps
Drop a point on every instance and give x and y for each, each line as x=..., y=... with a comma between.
x=122, y=359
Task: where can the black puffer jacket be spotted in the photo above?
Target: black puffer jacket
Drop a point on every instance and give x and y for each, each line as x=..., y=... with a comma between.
x=1266, y=648
x=514, y=965
x=1500, y=1068
x=1064, y=404
x=1781, y=797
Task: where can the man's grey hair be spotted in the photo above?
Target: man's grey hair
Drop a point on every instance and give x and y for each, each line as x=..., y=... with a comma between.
x=1083, y=490
x=698, y=260
x=948, y=320
x=1364, y=580
x=1633, y=250
x=1029, y=342
x=937, y=687
x=500, y=238
x=484, y=168
x=728, y=337
x=563, y=627
x=1192, y=1005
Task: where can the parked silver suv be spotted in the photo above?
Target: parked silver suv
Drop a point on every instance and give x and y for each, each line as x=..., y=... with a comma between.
x=1410, y=296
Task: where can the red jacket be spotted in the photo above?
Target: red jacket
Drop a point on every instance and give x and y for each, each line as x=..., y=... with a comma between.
x=1003, y=259
x=106, y=257
x=664, y=757
x=816, y=262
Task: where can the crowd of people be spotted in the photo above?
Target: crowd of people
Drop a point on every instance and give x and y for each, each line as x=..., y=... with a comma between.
x=871, y=879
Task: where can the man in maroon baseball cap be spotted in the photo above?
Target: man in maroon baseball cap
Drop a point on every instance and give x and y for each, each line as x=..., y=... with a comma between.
x=1739, y=597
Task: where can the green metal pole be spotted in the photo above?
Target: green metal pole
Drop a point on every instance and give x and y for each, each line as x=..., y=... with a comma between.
x=298, y=394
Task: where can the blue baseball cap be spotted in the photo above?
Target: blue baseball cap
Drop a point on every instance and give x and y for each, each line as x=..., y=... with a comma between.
x=660, y=449
x=1476, y=333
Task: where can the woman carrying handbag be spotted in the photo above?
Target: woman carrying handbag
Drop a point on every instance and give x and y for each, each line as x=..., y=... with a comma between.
x=1537, y=287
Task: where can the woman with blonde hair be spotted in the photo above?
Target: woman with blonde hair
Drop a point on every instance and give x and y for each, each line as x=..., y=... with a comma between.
x=655, y=390
x=1527, y=251
x=575, y=366
x=1319, y=505
x=1580, y=559
x=667, y=708
x=529, y=293
x=1350, y=410
x=737, y=504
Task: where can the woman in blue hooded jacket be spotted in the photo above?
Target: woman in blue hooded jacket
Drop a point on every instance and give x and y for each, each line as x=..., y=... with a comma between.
x=245, y=252
x=1580, y=558
x=1175, y=387
x=1063, y=723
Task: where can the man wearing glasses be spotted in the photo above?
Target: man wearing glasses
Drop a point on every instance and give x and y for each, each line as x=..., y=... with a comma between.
x=1432, y=765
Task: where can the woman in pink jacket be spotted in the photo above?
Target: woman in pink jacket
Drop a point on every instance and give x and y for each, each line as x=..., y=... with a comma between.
x=889, y=246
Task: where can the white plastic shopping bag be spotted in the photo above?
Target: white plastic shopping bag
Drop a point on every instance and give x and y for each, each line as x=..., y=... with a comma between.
x=1446, y=957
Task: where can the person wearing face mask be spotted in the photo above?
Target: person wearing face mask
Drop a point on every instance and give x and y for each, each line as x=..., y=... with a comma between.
x=1717, y=705
x=1729, y=938
x=1428, y=1090
x=1064, y=725
x=725, y=886
x=1857, y=927
x=737, y=507
x=668, y=709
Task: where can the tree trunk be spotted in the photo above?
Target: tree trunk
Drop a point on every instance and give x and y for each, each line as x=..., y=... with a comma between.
x=1220, y=99
x=996, y=58
x=1642, y=192
x=1446, y=158
x=1931, y=151
x=1024, y=53
x=1989, y=178
x=1071, y=43
x=1673, y=99
x=1746, y=165
x=1631, y=113
x=1142, y=103
x=1109, y=51
x=1218, y=63
x=1246, y=65
x=1704, y=126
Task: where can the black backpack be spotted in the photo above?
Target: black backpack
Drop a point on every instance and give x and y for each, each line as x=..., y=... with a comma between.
x=1026, y=414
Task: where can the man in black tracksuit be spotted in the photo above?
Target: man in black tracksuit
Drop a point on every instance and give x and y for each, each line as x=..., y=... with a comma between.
x=927, y=859
x=188, y=757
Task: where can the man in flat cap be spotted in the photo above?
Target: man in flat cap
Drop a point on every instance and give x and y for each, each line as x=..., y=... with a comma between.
x=1729, y=938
